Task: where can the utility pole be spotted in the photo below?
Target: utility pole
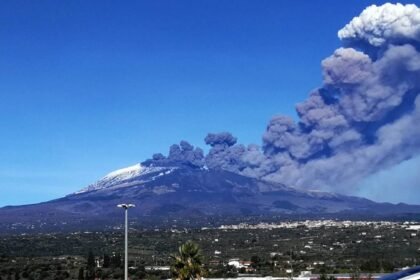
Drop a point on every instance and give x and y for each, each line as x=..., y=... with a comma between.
x=125, y=207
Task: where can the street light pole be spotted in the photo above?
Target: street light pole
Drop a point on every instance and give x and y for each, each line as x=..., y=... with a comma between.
x=125, y=207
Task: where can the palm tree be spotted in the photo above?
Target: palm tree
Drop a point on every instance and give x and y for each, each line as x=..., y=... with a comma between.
x=187, y=264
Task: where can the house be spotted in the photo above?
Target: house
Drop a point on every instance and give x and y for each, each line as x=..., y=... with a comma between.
x=239, y=264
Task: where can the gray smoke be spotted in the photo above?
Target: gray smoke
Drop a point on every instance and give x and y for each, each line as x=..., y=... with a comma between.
x=224, y=153
x=363, y=119
x=182, y=154
x=220, y=139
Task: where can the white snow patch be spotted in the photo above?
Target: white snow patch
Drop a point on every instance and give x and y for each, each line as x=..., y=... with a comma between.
x=127, y=171
x=117, y=177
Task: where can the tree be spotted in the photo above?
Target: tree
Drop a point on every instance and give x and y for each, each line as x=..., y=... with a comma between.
x=355, y=274
x=81, y=274
x=25, y=274
x=90, y=274
x=107, y=261
x=187, y=264
x=91, y=260
x=255, y=262
x=116, y=261
x=323, y=276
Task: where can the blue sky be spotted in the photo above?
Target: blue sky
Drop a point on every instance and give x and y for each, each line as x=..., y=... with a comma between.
x=91, y=86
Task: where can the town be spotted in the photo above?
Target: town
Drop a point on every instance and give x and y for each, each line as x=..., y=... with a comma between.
x=308, y=249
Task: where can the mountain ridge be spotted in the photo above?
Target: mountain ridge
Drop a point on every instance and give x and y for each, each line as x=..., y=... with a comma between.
x=181, y=193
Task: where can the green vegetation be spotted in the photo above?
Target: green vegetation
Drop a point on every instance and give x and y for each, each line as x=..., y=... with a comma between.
x=188, y=263
x=323, y=250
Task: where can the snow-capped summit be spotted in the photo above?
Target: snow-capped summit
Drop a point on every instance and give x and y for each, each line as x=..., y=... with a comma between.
x=126, y=171
x=118, y=177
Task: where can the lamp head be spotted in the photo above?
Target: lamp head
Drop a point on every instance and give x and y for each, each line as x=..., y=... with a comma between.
x=126, y=206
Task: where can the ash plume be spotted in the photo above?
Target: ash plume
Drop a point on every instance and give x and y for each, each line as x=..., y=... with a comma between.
x=364, y=118
x=182, y=154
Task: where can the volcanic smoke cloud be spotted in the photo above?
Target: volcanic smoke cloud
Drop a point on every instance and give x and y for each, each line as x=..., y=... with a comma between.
x=364, y=118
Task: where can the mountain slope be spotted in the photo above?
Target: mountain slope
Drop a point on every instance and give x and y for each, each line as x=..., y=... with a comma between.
x=179, y=192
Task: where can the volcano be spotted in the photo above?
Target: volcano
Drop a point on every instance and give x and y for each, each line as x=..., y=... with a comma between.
x=184, y=194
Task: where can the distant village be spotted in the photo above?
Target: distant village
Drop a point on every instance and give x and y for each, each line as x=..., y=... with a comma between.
x=304, y=250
